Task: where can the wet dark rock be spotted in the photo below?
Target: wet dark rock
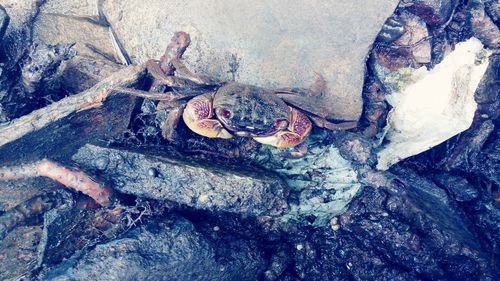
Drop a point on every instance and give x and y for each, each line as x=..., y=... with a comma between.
x=168, y=250
x=484, y=28
x=30, y=212
x=14, y=193
x=488, y=90
x=4, y=21
x=18, y=253
x=407, y=223
x=70, y=229
x=434, y=12
x=277, y=265
x=356, y=149
x=492, y=8
x=459, y=27
x=464, y=155
x=459, y=188
x=200, y=185
x=39, y=67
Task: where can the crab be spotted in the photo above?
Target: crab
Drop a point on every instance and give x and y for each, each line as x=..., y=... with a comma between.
x=278, y=117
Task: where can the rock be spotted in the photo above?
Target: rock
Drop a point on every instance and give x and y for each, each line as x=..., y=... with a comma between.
x=90, y=38
x=413, y=124
x=281, y=44
x=492, y=8
x=199, y=185
x=434, y=12
x=4, y=22
x=392, y=29
x=71, y=228
x=40, y=68
x=407, y=230
x=18, y=253
x=484, y=28
x=411, y=220
x=18, y=35
x=14, y=193
x=169, y=250
x=459, y=188
x=96, y=57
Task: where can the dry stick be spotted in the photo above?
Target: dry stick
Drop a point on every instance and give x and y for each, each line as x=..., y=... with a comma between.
x=91, y=98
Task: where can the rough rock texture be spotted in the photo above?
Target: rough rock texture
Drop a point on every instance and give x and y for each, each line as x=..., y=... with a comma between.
x=18, y=252
x=18, y=34
x=433, y=12
x=199, y=185
x=266, y=43
x=409, y=230
x=169, y=250
x=78, y=22
x=4, y=22
x=15, y=192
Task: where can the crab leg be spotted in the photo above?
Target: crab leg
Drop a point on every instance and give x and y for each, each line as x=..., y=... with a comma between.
x=197, y=116
x=297, y=130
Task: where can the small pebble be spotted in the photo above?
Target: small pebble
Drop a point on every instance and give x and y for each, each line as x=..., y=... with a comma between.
x=152, y=172
x=334, y=224
x=299, y=247
x=101, y=163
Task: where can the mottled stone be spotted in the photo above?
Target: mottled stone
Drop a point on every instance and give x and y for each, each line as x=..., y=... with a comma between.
x=4, y=22
x=18, y=253
x=265, y=43
x=433, y=12
x=171, y=250
x=208, y=186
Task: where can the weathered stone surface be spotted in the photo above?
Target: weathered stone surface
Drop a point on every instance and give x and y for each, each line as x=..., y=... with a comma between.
x=171, y=250
x=67, y=22
x=91, y=39
x=15, y=192
x=4, y=22
x=433, y=12
x=18, y=253
x=484, y=28
x=204, y=186
x=265, y=43
x=81, y=8
x=18, y=33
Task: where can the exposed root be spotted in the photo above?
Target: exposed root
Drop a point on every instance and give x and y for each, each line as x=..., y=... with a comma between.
x=74, y=179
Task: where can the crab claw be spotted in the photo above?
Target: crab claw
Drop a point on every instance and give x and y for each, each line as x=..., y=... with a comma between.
x=297, y=131
x=197, y=116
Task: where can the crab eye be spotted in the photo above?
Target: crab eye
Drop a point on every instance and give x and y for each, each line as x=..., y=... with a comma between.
x=280, y=124
x=225, y=113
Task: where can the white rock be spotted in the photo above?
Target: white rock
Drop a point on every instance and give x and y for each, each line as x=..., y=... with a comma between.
x=436, y=105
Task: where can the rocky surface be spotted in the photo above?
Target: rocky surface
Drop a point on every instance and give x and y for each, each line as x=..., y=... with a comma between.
x=433, y=216
x=202, y=185
x=279, y=44
x=18, y=252
x=167, y=250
